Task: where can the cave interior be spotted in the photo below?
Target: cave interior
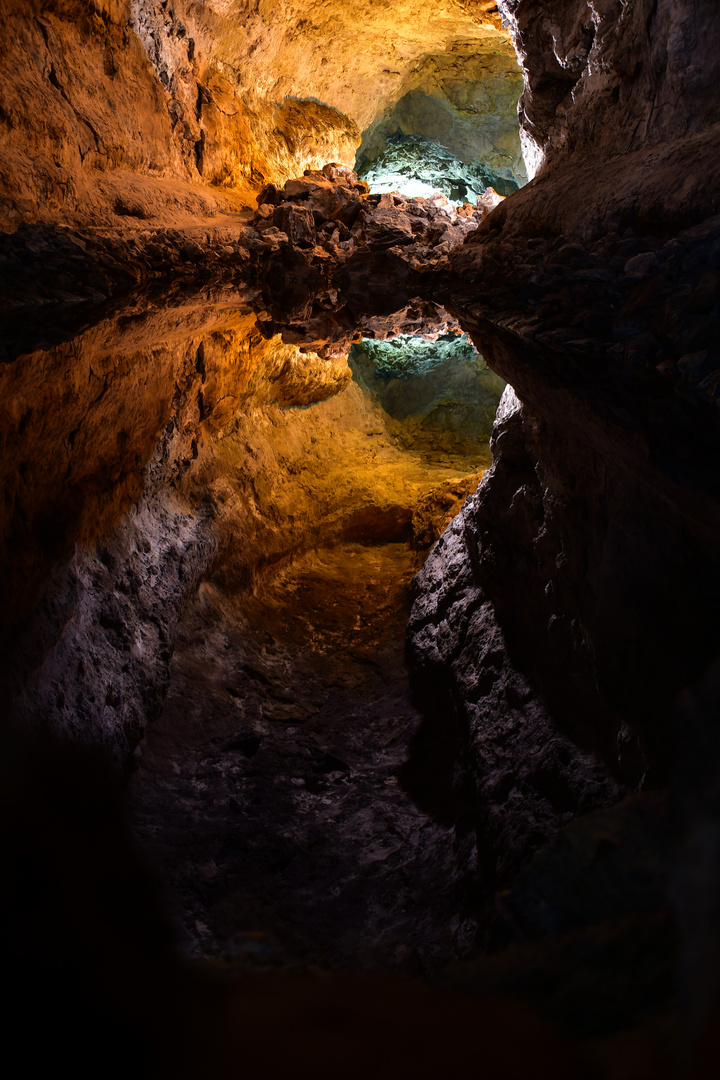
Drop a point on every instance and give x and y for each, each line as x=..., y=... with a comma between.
x=360, y=537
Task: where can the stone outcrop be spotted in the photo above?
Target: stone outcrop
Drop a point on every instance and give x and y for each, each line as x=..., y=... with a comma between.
x=612, y=77
x=340, y=256
x=594, y=292
x=521, y=776
x=417, y=165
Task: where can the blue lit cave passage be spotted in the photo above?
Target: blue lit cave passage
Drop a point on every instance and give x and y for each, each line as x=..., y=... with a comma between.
x=440, y=396
x=459, y=139
x=416, y=166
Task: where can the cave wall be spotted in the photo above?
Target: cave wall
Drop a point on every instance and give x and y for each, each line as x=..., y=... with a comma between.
x=594, y=292
x=123, y=111
x=116, y=115
x=580, y=282
x=574, y=597
x=79, y=105
x=465, y=100
x=611, y=75
x=602, y=313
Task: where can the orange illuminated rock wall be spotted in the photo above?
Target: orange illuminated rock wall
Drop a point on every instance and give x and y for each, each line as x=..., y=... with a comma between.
x=120, y=111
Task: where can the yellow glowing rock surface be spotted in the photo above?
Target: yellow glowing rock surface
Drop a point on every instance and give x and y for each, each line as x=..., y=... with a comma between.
x=193, y=107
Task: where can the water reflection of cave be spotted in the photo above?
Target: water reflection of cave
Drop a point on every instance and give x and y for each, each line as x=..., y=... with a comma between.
x=439, y=396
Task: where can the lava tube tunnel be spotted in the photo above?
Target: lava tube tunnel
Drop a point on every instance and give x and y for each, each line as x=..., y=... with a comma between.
x=360, y=538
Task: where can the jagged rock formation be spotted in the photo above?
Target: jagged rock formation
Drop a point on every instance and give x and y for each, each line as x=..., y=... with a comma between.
x=613, y=76
x=175, y=471
x=566, y=287
x=594, y=292
x=416, y=165
x=340, y=256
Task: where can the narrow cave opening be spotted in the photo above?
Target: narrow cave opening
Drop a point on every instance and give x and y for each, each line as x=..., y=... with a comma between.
x=455, y=132
x=414, y=165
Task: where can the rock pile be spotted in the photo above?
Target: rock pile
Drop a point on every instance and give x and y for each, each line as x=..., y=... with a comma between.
x=329, y=260
x=334, y=260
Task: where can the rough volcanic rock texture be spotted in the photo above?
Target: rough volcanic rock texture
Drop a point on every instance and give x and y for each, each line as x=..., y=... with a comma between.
x=137, y=109
x=519, y=776
x=464, y=100
x=350, y=56
x=103, y=533
x=84, y=125
x=415, y=165
x=305, y=102
x=232, y=130
x=613, y=76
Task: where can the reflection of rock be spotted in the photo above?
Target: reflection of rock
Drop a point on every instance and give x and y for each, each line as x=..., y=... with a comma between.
x=368, y=261
x=605, y=865
x=440, y=394
x=289, y=479
x=133, y=457
x=522, y=778
x=324, y=253
x=103, y=531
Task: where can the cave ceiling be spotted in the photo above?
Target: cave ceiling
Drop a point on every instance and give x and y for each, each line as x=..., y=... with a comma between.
x=357, y=57
x=149, y=109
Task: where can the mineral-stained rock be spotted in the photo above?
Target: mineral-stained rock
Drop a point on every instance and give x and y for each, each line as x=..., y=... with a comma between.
x=298, y=224
x=454, y=125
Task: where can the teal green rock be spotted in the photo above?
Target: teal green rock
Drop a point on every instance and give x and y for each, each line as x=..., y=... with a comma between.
x=415, y=165
x=441, y=395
